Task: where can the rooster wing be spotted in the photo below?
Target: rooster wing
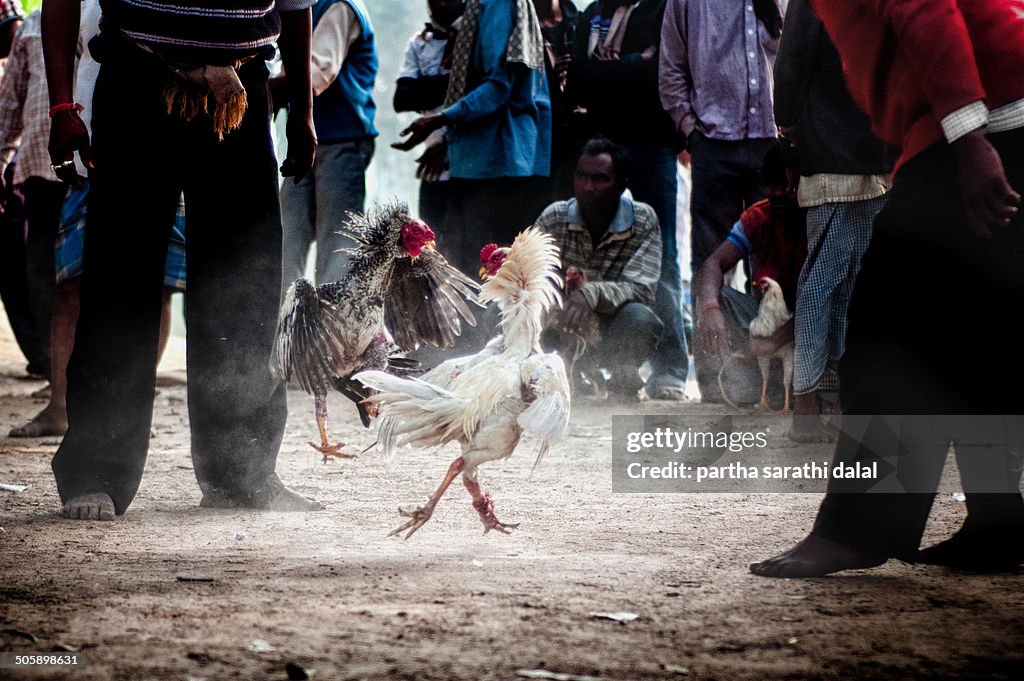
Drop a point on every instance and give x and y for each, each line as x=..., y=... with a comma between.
x=546, y=390
x=426, y=301
x=311, y=341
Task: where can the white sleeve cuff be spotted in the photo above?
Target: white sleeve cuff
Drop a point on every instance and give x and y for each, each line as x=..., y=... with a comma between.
x=964, y=120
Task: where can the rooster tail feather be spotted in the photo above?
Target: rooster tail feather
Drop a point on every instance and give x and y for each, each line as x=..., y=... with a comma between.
x=415, y=412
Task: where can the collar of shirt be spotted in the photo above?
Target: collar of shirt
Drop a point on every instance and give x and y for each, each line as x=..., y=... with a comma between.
x=621, y=223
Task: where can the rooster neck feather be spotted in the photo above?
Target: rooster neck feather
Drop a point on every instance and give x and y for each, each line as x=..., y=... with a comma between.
x=524, y=288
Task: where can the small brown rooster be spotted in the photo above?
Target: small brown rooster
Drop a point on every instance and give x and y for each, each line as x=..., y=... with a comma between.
x=395, y=282
x=486, y=401
x=772, y=315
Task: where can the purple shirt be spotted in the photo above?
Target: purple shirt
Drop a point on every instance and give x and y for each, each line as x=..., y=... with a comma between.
x=715, y=72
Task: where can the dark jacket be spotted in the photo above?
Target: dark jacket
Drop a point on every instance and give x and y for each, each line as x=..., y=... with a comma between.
x=833, y=134
x=621, y=97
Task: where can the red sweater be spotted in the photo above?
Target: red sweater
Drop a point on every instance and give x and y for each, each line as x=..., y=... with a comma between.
x=910, y=63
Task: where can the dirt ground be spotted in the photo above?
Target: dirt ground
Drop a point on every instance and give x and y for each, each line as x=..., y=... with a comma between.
x=171, y=591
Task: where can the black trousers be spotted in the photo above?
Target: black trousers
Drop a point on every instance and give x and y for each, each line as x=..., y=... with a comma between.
x=14, y=286
x=932, y=333
x=43, y=202
x=144, y=159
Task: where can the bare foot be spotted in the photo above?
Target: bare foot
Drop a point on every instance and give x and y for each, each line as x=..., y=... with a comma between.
x=810, y=429
x=50, y=421
x=288, y=500
x=816, y=557
x=283, y=499
x=97, y=506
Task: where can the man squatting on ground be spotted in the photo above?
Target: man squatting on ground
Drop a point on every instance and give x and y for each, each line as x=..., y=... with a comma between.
x=613, y=246
x=145, y=155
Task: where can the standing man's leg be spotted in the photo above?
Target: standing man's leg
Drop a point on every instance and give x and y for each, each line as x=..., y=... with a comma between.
x=340, y=190
x=654, y=183
x=237, y=409
x=722, y=188
x=298, y=221
x=112, y=370
x=14, y=282
x=43, y=202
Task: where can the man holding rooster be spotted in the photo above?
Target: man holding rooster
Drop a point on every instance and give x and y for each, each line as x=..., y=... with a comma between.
x=611, y=254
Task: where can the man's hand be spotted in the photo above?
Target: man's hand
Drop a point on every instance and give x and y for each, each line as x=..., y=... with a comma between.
x=762, y=347
x=576, y=315
x=301, y=147
x=419, y=130
x=433, y=162
x=990, y=200
x=767, y=347
x=713, y=333
x=68, y=134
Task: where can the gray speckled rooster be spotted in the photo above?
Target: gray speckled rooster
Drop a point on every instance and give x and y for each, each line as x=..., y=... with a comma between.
x=395, y=279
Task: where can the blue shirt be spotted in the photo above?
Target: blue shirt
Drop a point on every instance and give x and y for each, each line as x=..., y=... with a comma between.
x=501, y=127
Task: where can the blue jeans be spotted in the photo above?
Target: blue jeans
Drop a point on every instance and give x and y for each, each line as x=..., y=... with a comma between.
x=653, y=182
x=318, y=206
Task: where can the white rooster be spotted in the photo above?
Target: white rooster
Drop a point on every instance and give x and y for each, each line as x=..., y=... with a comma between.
x=486, y=401
x=772, y=315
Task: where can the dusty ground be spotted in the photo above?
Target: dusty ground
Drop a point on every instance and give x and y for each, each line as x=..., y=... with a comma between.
x=170, y=591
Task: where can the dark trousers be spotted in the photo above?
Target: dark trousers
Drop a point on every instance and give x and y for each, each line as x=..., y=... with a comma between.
x=43, y=201
x=144, y=160
x=14, y=285
x=653, y=182
x=488, y=211
x=628, y=337
x=726, y=180
x=481, y=212
x=918, y=346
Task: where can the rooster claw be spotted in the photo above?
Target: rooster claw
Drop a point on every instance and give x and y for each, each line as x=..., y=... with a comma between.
x=504, y=528
x=332, y=451
x=418, y=517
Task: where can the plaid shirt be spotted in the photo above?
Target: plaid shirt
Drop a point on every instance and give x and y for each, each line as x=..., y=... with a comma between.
x=10, y=10
x=624, y=266
x=25, y=107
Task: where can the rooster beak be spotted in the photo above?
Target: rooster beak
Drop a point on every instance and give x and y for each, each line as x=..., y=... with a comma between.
x=430, y=246
x=484, y=274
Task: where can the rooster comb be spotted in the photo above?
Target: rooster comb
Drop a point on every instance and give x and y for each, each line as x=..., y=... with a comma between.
x=487, y=251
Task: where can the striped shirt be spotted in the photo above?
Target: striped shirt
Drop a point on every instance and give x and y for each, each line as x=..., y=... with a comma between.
x=201, y=30
x=624, y=266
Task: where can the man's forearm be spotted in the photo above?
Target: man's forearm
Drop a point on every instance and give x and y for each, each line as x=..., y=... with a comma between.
x=59, y=25
x=296, y=32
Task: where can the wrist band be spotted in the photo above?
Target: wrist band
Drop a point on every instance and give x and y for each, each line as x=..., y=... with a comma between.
x=66, y=106
x=711, y=305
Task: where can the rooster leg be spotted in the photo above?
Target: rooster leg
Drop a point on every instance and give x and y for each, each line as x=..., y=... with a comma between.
x=763, y=363
x=483, y=505
x=419, y=516
x=325, y=448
